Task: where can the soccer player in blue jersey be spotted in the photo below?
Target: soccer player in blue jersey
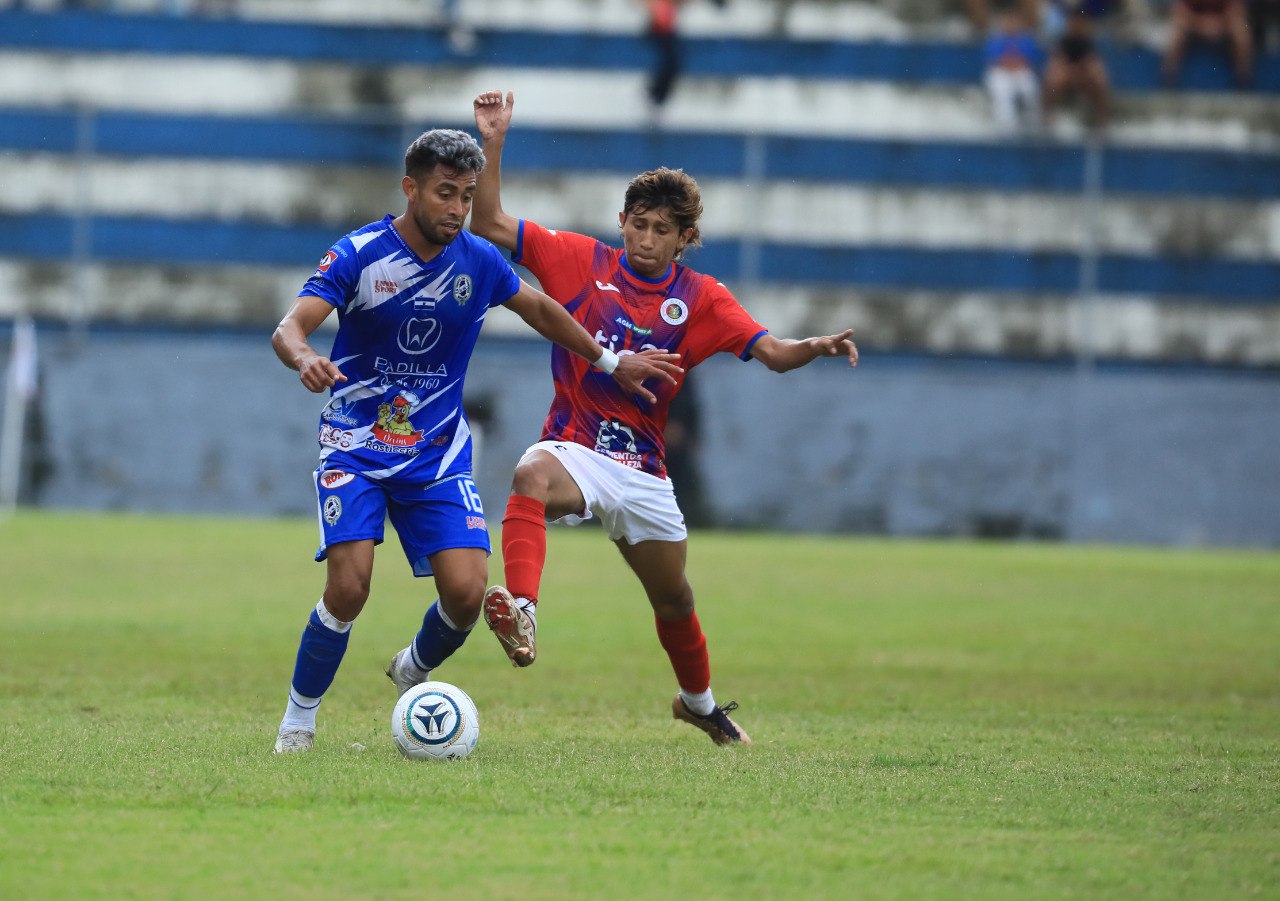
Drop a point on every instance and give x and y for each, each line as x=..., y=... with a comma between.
x=411, y=294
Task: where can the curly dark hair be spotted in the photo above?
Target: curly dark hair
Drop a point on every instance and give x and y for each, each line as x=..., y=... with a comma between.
x=443, y=146
x=670, y=189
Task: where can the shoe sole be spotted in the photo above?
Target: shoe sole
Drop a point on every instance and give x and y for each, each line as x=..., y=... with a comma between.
x=500, y=614
x=680, y=712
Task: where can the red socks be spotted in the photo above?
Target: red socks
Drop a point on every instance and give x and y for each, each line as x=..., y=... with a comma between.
x=524, y=545
x=687, y=647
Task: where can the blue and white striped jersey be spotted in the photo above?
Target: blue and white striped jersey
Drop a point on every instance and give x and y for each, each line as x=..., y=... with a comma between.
x=406, y=331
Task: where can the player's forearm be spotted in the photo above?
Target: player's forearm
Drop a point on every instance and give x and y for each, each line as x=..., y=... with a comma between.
x=291, y=345
x=553, y=322
x=786, y=354
x=487, y=215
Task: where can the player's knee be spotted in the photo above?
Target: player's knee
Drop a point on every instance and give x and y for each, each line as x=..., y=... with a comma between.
x=532, y=478
x=345, y=596
x=461, y=601
x=674, y=605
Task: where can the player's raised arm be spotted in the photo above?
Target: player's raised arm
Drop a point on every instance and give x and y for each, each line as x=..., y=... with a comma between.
x=783, y=354
x=630, y=371
x=493, y=118
x=316, y=371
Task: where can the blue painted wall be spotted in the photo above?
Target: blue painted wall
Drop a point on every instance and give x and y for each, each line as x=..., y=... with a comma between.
x=211, y=422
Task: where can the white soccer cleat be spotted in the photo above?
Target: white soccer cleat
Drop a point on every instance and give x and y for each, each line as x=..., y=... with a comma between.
x=512, y=622
x=293, y=741
x=398, y=671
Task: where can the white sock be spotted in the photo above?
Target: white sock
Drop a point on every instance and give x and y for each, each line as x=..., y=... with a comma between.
x=410, y=665
x=701, y=703
x=300, y=714
x=531, y=609
x=330, y=620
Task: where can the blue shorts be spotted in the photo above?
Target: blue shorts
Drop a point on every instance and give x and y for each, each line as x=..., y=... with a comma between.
x=428, y=518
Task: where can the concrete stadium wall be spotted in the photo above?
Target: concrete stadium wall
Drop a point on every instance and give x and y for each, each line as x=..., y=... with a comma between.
x=211, y=422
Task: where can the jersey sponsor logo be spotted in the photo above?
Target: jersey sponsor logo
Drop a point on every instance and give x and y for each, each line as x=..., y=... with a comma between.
x=339, y=411
x=406, y=368
x=462, y=289
x=385, y=286
x=334, y=478
x=674, y=311
x=618, y=442
x=332, y=509
x=417, y=336
x=632, y=327
x=608, y=286
x=393, y=427
x=326, y=261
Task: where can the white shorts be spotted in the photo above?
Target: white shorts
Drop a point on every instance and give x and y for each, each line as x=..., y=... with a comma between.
x=632, y=505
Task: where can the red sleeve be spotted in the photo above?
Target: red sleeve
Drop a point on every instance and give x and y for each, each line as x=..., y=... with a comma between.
x=560, y=261
x=726, y=327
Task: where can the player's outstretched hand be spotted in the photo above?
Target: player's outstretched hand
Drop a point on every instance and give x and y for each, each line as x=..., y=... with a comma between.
x=634, y=369
x=320, y=374
x=493, y=117
x=837, y=346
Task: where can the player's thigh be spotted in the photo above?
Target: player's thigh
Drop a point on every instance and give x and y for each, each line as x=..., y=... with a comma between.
x=443, y=516
x=660, y=567
x=351, y=508
x=541, y=475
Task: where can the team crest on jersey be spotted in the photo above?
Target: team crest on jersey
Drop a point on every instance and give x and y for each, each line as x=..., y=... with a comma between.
x=674, y=311
x=332, y=509
x=462, y=289
x=326, y=261
x=393, y=427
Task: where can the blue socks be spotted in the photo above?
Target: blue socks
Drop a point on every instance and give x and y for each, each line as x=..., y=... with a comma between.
x=438, y=638
x=324, y=642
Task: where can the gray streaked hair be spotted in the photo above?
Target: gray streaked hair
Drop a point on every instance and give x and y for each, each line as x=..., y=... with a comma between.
x=443, y=146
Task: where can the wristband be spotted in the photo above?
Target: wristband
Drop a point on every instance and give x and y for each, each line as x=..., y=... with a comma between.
x=607, y=362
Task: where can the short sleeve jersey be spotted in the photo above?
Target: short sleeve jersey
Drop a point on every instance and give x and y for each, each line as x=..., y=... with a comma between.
x=685, y=312
x=406, y=331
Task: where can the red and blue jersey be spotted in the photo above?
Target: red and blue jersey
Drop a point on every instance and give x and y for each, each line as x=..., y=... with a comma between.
x=684, y=312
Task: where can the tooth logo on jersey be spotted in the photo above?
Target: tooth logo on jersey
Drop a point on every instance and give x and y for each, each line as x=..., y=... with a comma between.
x=462, y=289
x=417, y=336
x=332, y=509
x=674, y=311
x=326, y=261
x=393, y=427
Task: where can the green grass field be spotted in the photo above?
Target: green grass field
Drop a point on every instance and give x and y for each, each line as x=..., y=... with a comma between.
x=931, y=719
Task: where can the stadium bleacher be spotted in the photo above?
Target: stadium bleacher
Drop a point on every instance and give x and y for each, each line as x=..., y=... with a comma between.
x=1038, y=356
x=914, y=193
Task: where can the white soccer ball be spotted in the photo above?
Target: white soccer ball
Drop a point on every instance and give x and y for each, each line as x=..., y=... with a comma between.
x=435, y=720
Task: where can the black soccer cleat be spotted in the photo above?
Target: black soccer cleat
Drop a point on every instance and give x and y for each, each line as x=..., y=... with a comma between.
x=723, y=731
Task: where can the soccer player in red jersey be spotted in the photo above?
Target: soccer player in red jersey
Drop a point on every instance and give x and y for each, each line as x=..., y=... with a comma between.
x=601, y=452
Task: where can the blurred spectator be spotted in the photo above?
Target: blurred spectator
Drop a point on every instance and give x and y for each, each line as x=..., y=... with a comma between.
x=1264, y=25
x=1075, y=66
x=1221, y=23
x=462, y=38
x=979, y=13
x=1012, y=59
x=662, y=31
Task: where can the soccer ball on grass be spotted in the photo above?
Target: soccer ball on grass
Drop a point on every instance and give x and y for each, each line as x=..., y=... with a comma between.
x=435, y=720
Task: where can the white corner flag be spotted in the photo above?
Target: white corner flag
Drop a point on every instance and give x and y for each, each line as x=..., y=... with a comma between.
x=21, y=381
